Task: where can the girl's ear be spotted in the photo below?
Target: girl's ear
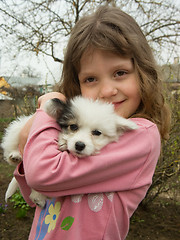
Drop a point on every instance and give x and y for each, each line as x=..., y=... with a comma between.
x=124, y=124
x=54, y=108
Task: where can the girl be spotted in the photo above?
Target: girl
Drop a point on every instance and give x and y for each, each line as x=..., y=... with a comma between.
x=93, y=198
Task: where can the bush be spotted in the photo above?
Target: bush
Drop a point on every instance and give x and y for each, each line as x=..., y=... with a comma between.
x=166, y=177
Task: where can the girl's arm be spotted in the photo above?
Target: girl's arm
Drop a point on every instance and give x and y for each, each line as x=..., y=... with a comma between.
x=121, y=166
x=26, y=129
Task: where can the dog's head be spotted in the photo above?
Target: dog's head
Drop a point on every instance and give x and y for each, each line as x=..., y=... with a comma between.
x=87, y=125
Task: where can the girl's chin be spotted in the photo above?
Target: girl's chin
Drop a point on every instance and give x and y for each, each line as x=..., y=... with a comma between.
x=119, y=111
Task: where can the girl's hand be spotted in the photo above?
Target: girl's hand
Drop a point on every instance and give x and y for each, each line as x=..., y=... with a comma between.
x=46, y=97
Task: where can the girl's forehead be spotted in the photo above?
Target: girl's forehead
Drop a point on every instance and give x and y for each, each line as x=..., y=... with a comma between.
x=88, y=52
x=91, y=55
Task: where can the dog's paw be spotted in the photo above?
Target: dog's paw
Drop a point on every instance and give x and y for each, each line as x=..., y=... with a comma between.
x=14, y=158
x=39, y=202
x=63, y=147
x=38, y=199
x=62, y=144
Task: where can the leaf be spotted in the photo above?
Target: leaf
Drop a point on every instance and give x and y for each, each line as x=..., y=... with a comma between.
x=67, y=223
x=21, y=213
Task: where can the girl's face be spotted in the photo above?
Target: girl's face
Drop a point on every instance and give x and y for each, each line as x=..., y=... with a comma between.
x=111, y=78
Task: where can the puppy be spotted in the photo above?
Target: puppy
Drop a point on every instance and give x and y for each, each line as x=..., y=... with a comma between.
x=86, y=127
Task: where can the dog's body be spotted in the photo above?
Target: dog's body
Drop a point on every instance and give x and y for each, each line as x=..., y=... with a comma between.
x=87, y=126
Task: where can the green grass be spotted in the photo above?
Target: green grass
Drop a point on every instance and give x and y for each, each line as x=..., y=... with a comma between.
x=6, y=120
x=1, y=135
x=6, y=170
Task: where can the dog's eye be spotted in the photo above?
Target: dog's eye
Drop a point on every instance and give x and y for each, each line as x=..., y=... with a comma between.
x=96, y=132
x=73, y=127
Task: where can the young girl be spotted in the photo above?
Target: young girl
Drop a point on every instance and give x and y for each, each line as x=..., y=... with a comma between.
x=93, y=198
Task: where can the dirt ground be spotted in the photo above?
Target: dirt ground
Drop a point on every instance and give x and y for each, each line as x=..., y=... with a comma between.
x=159, y=222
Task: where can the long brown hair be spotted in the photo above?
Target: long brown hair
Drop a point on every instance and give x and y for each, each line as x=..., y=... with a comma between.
x=113, y=30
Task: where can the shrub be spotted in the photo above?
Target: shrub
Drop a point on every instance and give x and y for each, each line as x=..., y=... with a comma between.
x=166, y=177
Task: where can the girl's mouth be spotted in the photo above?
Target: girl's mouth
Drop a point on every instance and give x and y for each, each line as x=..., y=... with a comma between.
x=117, y=104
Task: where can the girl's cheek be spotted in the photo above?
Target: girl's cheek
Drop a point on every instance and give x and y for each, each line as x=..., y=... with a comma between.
x=88, y=93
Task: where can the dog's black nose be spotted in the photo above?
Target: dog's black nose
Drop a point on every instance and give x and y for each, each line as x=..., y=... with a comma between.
x=79, y=146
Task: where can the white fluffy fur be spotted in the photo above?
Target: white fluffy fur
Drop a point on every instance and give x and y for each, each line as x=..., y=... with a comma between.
x=12, y=155
x=10, y=140
x=93, y=115
x=88, y=115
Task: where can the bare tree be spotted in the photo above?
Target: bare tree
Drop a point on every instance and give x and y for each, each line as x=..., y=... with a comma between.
x=43, y=26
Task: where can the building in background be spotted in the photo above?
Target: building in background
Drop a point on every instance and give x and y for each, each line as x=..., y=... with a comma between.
x=18, y=95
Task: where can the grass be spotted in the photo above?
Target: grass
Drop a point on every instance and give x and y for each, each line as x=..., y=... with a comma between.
x=6, y=120
x=6, y=170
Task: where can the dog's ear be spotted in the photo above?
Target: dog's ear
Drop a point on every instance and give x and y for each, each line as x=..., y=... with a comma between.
x=124, y=124
x=54, y=108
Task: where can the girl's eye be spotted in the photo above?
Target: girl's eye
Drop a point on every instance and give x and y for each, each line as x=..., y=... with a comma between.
x=120, y=73
x=73, y=127
x=96, y=132
x=90, y=80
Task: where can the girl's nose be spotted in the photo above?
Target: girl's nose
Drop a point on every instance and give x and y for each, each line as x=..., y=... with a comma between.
x=107, y=89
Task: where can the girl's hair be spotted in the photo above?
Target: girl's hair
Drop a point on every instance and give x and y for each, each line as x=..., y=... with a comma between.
x=111, y=29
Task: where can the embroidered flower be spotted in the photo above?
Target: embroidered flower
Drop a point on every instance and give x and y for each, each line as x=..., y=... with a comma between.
x=52, y=217
x=95, y=201
x=77, y=198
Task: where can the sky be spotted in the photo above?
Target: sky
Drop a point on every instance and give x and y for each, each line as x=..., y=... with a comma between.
x=46, y=67
x=49, y=70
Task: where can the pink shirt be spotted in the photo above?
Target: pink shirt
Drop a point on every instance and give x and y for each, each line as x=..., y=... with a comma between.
x=91, y=198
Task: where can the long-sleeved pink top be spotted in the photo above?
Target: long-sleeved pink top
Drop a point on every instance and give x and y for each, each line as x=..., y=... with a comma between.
x=90, y=198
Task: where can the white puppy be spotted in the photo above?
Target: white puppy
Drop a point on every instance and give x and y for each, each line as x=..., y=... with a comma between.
x=87, y=126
